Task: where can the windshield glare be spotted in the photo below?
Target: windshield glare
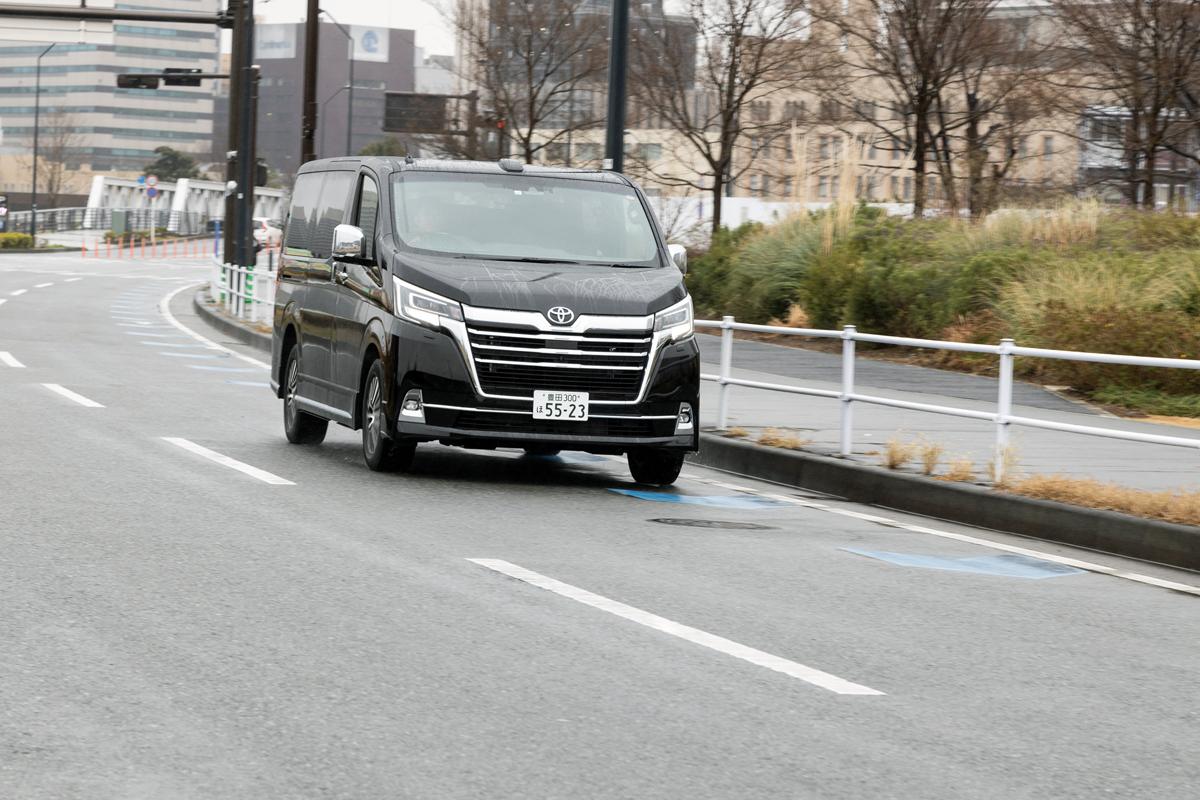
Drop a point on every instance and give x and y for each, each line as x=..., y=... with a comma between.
x=521, y=216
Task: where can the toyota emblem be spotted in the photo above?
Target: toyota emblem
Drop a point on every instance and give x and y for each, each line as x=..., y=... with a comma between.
x=560, y=315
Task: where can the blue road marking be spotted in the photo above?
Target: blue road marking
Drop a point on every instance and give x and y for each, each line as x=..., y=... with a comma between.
x=719, y=501
x=1009, y=565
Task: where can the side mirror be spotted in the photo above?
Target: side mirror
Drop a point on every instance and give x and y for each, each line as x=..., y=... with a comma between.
x=678, y=255
x=347, y=242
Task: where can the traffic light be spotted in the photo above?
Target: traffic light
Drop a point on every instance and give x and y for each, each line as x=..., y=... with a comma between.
x=180, y=76
x=138, y=81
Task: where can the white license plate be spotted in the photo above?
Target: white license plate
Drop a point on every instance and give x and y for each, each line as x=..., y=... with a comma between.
x=567, y=406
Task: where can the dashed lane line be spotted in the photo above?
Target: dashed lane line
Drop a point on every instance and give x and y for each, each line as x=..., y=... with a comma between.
x=226, y=461
x=1089, y=566
x=72, y=396
x=9, y=360
x=720, y=644
x=17, y=293
x=43, y=285
x=164, y=306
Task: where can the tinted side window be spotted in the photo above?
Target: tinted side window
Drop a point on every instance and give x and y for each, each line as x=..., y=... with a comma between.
x=368, y=212
x=332, y=213
x=305, y=196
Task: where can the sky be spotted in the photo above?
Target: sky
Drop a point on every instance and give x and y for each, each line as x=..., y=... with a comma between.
x=433, y=33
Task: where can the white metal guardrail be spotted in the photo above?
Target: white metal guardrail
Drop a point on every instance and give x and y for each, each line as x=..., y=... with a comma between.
x=246, y=292
x=1002, y=417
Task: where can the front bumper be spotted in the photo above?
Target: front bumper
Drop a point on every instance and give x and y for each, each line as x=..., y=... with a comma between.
x=454, y=413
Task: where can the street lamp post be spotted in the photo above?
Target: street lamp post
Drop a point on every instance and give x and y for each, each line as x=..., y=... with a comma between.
x=37, y=113
x=614, y=140
x=350, y=83
x=322, y=116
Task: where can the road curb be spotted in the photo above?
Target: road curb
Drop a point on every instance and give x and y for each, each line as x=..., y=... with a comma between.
x=217, y=319
x=1106, y=531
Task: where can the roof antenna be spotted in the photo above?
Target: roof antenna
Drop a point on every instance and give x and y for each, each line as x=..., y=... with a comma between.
x=408, y=159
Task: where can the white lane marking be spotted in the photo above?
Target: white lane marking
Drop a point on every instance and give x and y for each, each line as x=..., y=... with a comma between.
x=7, y=359
x=176, y=344
x=158, y=335
x=3, y=301
x=67, y=393
x=226, y=461
x=814, y=676
x=223, y=369
x=43, y=285
x=962, y=537
x=72, y=280
x=164, y=306
x=189, y=355
x=18, y=292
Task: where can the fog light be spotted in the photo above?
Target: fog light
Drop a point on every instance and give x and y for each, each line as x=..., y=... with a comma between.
x=683, y=422
x=413, y=406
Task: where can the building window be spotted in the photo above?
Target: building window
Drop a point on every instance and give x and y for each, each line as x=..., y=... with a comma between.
x=588, y=151
x=555, y=153
x=649, y=151
x=895, y=187
x=1047, y=148
x=785, y=186
x=794, y=109
x=908, y=188
x=764, y=185
x=760, y=110
x=823, y=187
x=823, y=148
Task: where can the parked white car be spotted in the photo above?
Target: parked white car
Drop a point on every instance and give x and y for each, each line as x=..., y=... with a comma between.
x=268, y=232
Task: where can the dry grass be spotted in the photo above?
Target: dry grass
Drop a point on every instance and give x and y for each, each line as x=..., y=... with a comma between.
x=796, y=317
x=1181, y=506
x=1008, y=462
x=897, y=453
x=778, y=437
x=930, y=454
x=960, y=469
x=737, y=433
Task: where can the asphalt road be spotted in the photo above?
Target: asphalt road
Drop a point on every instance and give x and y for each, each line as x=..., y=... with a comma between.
x=173, y=626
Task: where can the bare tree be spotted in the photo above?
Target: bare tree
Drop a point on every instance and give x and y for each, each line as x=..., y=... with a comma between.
x=908, y=51
x=994, y=97
x=58, y=141
x=1137, y=58
x=535, y=62
x=746, y=52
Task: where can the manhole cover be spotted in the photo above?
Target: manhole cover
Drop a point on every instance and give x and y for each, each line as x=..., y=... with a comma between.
x=713, y=523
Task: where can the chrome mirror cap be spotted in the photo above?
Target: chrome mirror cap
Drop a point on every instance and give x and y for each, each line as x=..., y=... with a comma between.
x=347, y=242
x=678, y=255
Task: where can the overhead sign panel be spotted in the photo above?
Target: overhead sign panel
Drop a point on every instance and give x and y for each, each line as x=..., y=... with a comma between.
x=404, y=112
x=370, y=44
x=65, y=31
x=274, y=41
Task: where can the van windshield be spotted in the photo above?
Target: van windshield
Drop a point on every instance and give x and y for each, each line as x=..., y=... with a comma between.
x=523, y=217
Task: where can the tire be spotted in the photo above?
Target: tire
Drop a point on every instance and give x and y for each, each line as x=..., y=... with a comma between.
x=381, y=453
x=655, y=467
x=535, y=450
x=299, y=426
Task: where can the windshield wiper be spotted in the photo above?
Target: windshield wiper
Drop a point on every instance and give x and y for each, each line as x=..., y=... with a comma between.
x=524, y=259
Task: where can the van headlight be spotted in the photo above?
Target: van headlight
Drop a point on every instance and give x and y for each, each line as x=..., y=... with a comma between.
x=424, y=307
x=676, y=321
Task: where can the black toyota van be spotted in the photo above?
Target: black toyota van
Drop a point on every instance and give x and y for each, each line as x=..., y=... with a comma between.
x=484, y=305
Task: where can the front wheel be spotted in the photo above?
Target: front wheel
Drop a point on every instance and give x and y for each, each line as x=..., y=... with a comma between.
x=381, y=453
x=299, y=427
x=655, y=467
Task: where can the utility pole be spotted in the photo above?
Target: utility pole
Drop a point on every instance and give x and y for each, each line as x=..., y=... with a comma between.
x=37, y=113
x=240, y=166
x=312, y=26
x=618, y=56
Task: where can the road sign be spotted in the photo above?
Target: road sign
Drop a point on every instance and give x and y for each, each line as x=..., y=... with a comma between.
x=152, y=180
x=141, y=180
x=406, y=112
x=181, y=76
x=152, y=193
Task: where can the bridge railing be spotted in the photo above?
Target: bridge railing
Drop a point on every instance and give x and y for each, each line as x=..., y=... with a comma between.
x=247, y=293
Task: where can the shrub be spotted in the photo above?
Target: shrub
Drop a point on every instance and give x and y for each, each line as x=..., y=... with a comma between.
x=1164, y=333
x=708, y=275
x=766, y=278
x=15, y=241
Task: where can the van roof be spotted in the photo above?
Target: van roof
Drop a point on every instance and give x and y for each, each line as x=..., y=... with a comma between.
x=389, y=164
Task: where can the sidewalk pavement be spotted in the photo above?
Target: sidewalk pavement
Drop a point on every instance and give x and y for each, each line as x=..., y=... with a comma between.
x=1042, y=452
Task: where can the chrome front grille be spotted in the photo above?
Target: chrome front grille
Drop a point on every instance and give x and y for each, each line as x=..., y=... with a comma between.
x=609, y=365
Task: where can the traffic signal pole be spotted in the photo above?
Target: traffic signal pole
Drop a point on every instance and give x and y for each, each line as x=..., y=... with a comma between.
x=618, y=57
x=308, y=134
x=239, y=203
